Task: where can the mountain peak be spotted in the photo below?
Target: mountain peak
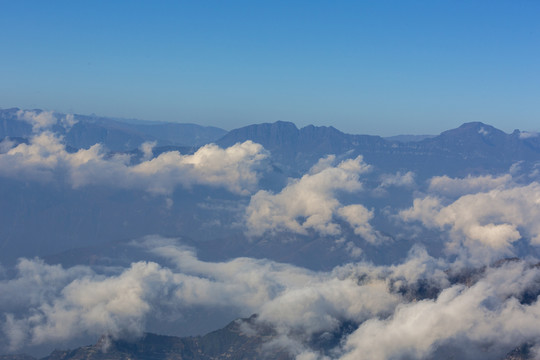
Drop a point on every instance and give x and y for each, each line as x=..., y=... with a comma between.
x=474, y=129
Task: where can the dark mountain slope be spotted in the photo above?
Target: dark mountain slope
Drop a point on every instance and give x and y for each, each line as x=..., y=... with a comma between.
x=299, y=149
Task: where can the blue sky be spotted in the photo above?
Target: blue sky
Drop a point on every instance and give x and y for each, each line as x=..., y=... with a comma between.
x=371, y=67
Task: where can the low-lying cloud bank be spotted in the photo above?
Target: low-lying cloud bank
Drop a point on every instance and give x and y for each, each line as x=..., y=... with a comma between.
x=45, y=158
x=411, y=310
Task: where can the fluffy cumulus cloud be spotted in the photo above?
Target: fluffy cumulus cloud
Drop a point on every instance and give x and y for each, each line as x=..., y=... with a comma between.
x=45, y=158
x=57, y=304
x=358, y=217
x=311, y=202
x=484, y=216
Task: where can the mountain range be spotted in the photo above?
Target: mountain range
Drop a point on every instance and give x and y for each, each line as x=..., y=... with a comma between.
x=221, y=224
x=472, y=146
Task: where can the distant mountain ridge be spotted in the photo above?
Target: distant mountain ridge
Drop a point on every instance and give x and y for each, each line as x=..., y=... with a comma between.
x=300, y=148
x=115, y=134
x=470, y=145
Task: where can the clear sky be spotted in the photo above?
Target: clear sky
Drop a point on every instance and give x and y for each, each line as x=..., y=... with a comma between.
x=370, y=67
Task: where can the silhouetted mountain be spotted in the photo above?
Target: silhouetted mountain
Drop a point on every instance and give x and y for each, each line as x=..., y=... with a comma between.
x=480, y=141
x=300, y=149
x=471, y=148
x=121, y=136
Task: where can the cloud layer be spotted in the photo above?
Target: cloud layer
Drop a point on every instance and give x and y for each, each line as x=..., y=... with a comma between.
x=416, y=309
x=55, y=304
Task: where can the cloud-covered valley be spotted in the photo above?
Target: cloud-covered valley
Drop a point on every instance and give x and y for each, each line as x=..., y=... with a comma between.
x=429, y=265
x=414, y=309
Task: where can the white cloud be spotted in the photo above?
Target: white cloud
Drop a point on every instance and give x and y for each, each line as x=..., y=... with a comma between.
x=527, y=134
x=38, y=120
x=236, y=168
x=36, y=161
x=484, y=224
x=66, y=303
x=398, y=179
x=55, y=304
x=322, y=306
x=358, y=217
x=482, y=321
x=450, y=187
x=43, y=120
x=68, y=121
x=47, y=304
x=147, y=149
x=310, y=203
x=483, y=131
